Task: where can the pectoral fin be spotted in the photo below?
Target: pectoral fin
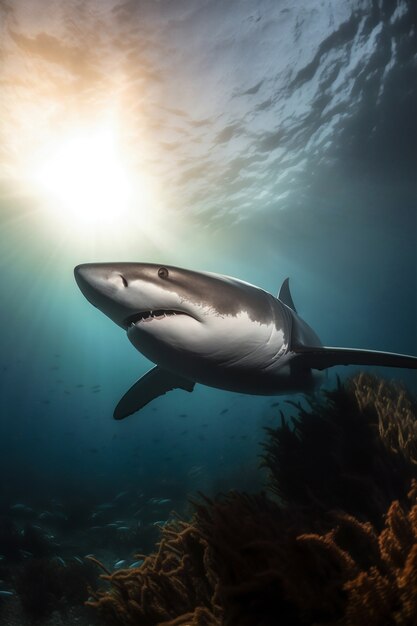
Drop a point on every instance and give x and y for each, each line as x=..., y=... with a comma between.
x=321, y=357
x=153, y=384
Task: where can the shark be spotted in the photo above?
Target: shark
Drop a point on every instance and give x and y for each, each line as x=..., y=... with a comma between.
x=219, y=331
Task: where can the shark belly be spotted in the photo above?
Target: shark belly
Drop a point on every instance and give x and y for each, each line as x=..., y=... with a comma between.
x=260, y=371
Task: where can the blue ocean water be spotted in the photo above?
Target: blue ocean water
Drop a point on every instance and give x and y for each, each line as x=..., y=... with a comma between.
x=283, y=139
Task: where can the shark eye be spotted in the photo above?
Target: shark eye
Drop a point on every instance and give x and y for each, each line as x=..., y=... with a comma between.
x=163, y=272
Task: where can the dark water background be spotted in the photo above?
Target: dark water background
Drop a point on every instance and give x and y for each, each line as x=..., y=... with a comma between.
x=285, y=134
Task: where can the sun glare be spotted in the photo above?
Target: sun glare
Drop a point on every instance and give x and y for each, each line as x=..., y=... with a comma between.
x=89, y=185
x=84, y=179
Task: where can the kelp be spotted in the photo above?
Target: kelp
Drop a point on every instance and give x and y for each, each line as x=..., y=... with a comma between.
x=334, y=542
x=355, y=448
x=175, y=585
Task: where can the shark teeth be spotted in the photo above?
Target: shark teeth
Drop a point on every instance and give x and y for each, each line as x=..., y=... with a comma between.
x=147, y=316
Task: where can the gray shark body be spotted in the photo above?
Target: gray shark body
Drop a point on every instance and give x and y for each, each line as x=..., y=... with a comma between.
x=200, y=327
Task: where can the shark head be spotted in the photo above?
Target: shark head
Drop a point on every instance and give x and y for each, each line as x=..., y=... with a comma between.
x=178, y=317
x=135, y=295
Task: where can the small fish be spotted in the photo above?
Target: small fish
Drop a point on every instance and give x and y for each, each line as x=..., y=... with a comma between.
x=224, y=411
x=158, y=500
x=136, y=564
x=26, y=554
x=77, y=558
x=274, y=404
x=21, y=507
x=60, y=560
x=195, y=470
x=5, y=594
x=120, y=495
x=119, y=564
x=123, y=528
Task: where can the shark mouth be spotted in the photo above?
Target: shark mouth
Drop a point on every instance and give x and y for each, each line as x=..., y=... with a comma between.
x=148, y=316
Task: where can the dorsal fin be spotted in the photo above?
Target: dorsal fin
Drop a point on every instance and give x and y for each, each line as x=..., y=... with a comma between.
x=285, y=295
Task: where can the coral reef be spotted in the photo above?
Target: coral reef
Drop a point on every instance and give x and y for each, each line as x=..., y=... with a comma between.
x=386, y=593
x=334, y=544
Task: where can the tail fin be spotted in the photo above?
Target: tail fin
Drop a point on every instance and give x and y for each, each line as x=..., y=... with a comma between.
x=322, y=357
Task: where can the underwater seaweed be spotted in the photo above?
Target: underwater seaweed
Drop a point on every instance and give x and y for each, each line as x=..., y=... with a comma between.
x=354, y=448
x=391, y=401
x=174, y=583
x=338, y=547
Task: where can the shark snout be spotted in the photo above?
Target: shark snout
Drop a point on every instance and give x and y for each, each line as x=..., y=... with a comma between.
x=103, y=286
x=98, y=276
x=89, y=279
x=89, y=273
